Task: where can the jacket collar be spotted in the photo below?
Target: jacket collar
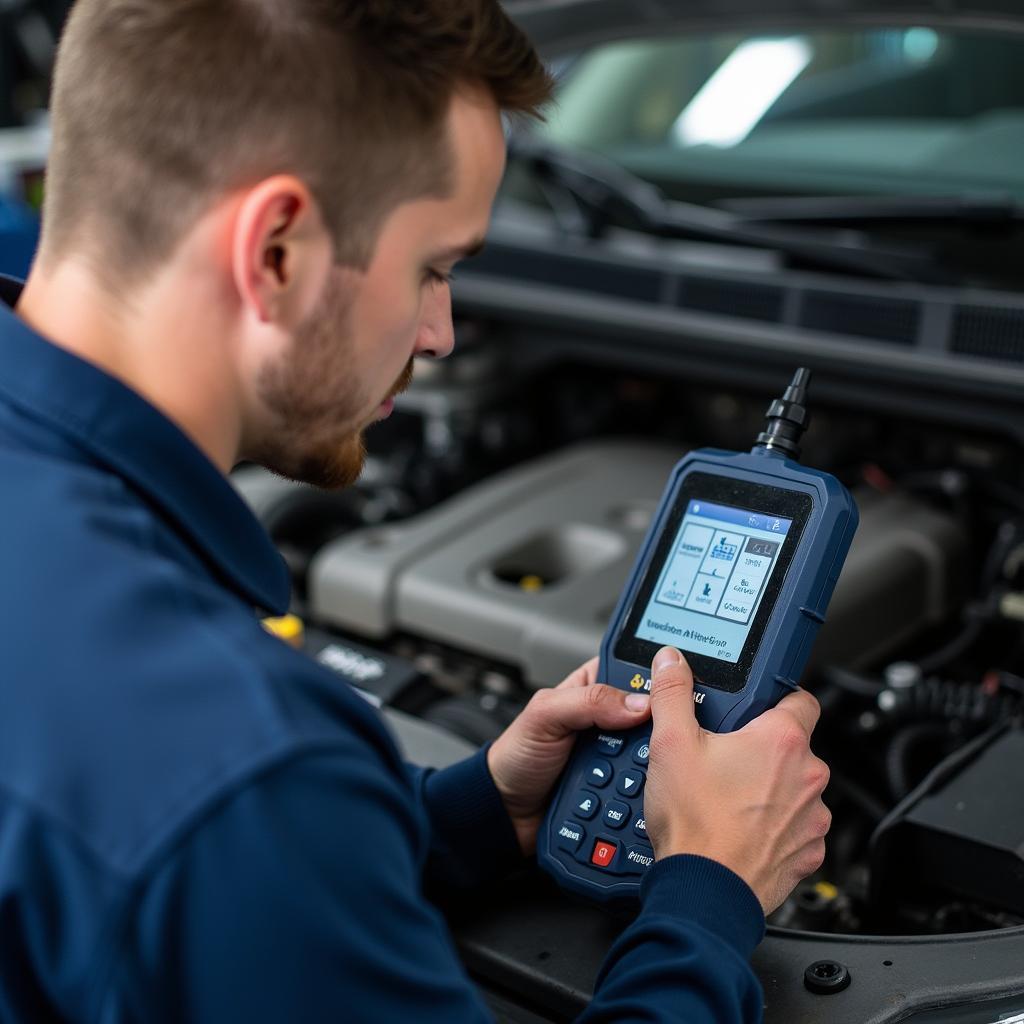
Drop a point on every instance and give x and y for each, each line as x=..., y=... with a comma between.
x=121, y=430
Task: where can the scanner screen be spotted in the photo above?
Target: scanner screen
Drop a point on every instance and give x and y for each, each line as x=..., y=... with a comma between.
x=711, y=585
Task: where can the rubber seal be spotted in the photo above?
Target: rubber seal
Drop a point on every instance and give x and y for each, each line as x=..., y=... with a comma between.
x=826, y=977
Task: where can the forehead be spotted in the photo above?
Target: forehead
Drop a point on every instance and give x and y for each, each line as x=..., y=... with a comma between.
x=460, y=218
x=477, y=138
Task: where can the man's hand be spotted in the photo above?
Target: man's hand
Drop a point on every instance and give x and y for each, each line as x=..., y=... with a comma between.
x=750, y=799
x=526, y=760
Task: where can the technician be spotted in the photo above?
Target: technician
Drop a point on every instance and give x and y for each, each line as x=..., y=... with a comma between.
x=253, y=207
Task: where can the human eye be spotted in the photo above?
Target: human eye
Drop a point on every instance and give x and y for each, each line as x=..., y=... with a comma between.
x=434, y=276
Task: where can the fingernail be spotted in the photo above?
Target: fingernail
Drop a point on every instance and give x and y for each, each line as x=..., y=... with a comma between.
x=667, y=657
x=637, y=701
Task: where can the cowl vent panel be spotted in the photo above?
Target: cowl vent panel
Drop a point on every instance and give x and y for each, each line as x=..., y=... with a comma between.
x=989, y=332
x=892, y=320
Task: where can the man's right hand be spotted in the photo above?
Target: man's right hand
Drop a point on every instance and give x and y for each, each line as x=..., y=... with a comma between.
x=750, y=799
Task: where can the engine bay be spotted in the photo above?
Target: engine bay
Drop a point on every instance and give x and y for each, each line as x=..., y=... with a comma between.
x=484, y=548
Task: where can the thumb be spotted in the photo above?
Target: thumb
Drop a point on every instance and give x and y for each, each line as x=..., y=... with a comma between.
x=672, y=692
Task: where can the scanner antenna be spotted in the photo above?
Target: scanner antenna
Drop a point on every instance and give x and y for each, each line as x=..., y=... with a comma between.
x=787, y=418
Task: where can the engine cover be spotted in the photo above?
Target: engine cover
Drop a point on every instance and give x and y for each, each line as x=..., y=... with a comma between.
x=526, y=568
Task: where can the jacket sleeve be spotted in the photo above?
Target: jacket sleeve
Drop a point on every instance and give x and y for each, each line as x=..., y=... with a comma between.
x=298, y=899
x=472, y=841
x=686, y=957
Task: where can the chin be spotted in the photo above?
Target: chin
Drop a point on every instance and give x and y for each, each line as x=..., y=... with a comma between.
x=328, y=467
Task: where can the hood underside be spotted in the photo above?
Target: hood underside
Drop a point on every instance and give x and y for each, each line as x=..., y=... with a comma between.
x=560, y=25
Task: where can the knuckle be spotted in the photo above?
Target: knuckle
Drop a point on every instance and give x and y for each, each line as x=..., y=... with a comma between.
x=542, y=699
x=792, y=740
x=595, y=696
x=820, y=775
x=811, y=701
x=816, y=855
x=663, y=741
x=810, y=859
x=822, y=823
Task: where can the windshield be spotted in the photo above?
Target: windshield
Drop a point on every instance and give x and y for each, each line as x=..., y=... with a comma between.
x=895, y=111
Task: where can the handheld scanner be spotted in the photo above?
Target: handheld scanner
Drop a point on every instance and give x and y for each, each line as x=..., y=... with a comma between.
x=736, y=571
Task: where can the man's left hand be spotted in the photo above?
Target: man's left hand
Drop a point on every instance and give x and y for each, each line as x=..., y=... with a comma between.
x=527, y=758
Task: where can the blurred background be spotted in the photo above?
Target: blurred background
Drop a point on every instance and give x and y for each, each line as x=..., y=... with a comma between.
x=28, y=37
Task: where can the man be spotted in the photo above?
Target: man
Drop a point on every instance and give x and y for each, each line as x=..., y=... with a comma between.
x=253, y=207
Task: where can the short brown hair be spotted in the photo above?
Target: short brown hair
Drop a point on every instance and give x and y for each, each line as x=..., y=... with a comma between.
x=160, y=107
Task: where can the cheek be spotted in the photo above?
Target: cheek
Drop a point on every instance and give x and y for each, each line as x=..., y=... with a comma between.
x=387, y=315
x=393, y=324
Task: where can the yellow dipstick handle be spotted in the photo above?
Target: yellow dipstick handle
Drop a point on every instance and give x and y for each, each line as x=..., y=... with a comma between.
x=289, y=628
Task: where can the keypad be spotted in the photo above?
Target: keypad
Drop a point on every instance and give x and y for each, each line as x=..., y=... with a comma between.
x=609, y=799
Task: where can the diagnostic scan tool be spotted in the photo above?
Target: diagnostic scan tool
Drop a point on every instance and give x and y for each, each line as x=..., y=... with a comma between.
x=736, y=571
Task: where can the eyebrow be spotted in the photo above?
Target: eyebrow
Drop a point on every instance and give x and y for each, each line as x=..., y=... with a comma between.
x=461, y=252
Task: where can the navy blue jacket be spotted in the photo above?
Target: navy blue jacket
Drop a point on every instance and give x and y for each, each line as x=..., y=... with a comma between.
x=199, y=824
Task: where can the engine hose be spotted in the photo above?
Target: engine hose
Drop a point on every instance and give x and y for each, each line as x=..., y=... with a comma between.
x=958, y=646
x=868, y=803
x=902, y=745
x=853, y=682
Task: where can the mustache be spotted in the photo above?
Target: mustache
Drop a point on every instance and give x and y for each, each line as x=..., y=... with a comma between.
x=404, y=379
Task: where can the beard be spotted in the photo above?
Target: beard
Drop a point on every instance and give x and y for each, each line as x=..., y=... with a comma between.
x=313, y=398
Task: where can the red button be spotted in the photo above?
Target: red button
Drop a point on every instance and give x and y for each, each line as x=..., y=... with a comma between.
x=603, y=853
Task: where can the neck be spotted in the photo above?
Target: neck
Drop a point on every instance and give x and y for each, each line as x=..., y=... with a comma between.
x=164, y=343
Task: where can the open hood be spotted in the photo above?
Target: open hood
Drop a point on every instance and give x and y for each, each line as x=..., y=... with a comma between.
x=568, y=24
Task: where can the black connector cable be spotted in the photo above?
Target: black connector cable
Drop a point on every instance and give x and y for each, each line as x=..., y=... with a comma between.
x=788, y=417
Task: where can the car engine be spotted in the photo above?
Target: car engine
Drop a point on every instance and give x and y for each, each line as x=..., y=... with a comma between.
x=483, y=550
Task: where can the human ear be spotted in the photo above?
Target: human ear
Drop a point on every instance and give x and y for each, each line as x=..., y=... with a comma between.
x=280, y=251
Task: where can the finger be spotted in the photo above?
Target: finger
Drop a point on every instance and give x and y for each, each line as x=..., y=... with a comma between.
x=566, y=710
x=585, y=675
x=672, y=691
x=803, y=707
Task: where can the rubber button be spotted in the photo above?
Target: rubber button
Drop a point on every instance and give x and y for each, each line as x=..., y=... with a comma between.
x=604, y=853
x=640, y=827
x=637, y=860
x=598, y=773
x=586, y=805
x=571, y=836
x=641, y=752
x=630, y=782
x=616, y=814
x=610, y=746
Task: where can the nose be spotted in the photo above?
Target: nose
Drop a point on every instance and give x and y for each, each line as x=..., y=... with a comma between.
x=435, y=337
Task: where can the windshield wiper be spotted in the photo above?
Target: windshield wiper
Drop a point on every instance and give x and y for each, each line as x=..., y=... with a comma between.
x=973, y=209
x=588, y=194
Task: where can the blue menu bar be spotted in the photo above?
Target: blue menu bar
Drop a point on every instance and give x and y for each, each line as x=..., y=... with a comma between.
x=739, y=517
